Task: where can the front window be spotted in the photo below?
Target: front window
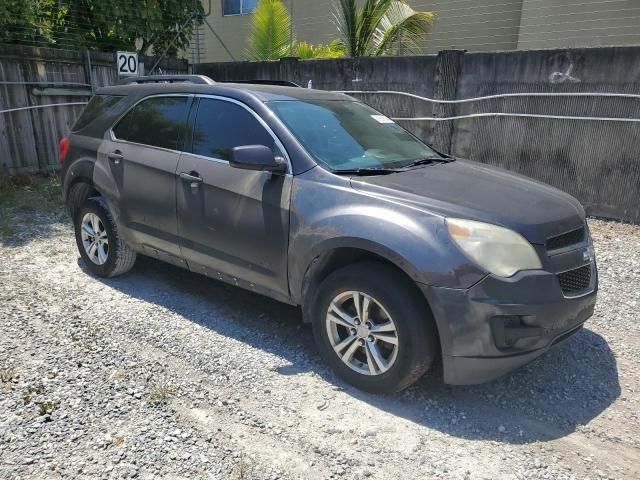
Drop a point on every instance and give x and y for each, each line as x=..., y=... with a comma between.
x=238, y=7
x=347, y=135
x=221, y=125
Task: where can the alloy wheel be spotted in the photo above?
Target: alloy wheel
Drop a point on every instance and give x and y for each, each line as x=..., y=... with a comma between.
x=94, y=238
x=362, y=333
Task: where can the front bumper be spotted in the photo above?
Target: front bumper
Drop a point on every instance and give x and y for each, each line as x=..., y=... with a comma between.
x=501, y=324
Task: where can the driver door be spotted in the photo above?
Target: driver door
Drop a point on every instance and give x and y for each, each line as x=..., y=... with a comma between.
x=233, y=224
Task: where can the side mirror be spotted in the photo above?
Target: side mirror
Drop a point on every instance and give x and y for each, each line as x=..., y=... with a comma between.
x=257, y=157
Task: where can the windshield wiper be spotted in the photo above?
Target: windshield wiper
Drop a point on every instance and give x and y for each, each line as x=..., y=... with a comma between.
x=368, y=171
x=428, y=160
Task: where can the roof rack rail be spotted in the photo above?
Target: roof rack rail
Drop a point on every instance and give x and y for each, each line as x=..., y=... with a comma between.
x=282, y=83
x=199, y=79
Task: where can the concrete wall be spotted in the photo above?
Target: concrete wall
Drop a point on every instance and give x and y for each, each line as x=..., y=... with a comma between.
x=596, y=161
x=473, y=25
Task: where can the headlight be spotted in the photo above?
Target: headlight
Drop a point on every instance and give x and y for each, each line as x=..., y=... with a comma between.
x=499, y=250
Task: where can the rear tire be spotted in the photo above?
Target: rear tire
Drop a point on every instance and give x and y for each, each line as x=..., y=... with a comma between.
x=99, y=243
x=394, y=336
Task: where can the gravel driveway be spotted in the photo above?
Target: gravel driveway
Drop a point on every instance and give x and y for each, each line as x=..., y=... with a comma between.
x=164, y=373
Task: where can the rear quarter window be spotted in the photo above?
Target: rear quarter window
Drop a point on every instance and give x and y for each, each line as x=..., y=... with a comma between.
x=157, y=121
x=96, y=107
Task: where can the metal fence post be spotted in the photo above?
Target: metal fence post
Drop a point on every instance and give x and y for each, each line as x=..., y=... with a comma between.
x=89, y=71
x=447, y=69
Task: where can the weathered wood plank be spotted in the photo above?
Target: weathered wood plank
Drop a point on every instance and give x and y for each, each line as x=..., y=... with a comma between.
x=29, y=138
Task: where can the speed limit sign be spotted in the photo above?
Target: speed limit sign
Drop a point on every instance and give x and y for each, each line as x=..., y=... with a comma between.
x=127, y=64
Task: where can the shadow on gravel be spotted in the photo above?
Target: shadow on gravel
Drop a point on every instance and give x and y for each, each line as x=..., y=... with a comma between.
x=545, y=400
x=548, y=399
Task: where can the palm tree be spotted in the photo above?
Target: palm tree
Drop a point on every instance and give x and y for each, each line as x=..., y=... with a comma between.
x=270, y=37
x=381, y=27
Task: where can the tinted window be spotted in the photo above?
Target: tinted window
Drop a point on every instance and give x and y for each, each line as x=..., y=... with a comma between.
x=222, y=125
x=160, y=122
x=95, y=108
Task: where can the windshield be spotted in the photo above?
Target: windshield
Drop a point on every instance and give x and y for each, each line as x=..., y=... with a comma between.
x=347, y=135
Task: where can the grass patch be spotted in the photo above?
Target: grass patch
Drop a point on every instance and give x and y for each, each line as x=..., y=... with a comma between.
x=47, y=407
x=160, y=391
x=7, y=230
x=24, y=198
x=32, y=392
x=7, y=375
x=243, y=470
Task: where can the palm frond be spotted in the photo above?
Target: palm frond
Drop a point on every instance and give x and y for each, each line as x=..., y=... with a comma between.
x=401, y=28
x=381, y=27
x=304, y=50
x=338, y=46
x=270, y=37
x=371, y=14
x=346, y=21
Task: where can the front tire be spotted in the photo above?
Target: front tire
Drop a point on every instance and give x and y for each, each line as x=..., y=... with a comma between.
x=373, y=328
x=99, y=243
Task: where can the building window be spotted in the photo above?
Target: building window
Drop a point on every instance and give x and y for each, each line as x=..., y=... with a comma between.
x=238, y=7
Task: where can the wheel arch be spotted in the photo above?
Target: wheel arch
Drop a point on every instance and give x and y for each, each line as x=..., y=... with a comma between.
x=336, y=255
x=78, y=184
x=331, y=256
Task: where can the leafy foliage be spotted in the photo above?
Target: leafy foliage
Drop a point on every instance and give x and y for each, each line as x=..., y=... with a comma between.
x=334, y=49
x=106, y=25
x=271, y=37
x=381, y=27
x=30, y=21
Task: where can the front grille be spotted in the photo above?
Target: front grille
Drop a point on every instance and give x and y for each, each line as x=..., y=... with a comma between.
x=575, y=280
x=566, y=239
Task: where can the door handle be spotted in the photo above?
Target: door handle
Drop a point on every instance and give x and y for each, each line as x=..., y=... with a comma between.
x=194, y=179
x=191, y=177
x=116, y=157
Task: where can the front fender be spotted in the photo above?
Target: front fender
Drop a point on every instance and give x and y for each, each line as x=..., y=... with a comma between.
x=326, y=213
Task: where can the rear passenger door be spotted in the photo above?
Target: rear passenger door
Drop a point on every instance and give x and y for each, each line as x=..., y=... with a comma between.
x=233, y=223
x=143, y=154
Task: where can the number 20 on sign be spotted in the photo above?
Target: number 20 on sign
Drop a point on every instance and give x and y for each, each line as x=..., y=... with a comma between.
x=127, y=64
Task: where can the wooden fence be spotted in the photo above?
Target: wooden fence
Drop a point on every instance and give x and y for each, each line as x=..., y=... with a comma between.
x=35, y=77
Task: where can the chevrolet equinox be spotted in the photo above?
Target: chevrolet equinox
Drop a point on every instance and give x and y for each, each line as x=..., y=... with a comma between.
x=397, y=254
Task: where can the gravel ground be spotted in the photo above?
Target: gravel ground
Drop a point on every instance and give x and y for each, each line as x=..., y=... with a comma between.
x=164, y=373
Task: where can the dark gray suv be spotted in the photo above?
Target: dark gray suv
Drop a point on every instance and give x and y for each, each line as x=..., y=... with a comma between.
x=397, y=254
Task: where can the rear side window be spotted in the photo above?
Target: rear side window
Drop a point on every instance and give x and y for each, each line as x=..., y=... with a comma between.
x=158, y=122
x=221, y=126
x=96, y=107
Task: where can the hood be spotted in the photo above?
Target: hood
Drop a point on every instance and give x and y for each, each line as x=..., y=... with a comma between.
x=475, y=191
